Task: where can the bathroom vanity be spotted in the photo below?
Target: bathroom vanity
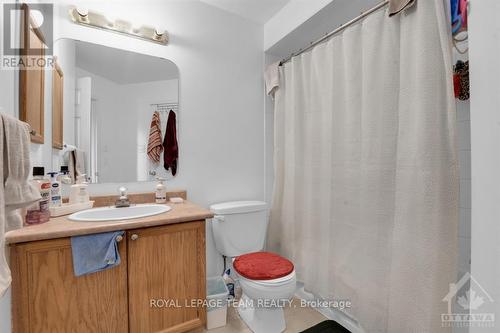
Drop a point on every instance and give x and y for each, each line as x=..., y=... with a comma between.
x=154, y=289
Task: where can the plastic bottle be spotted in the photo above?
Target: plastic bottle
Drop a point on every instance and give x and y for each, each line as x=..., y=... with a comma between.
x=39, y=211
x=64, y=177
x=55, y=190
x=79, y=192
x=161, y=191
x=229, y=283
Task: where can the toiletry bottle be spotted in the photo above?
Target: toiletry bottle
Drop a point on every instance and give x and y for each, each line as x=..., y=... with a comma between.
x=229, y=283
x=39, y=211
x=55, y=190
x=64, y=177
x=161, y=191
x=84, y=189
x=79, y=192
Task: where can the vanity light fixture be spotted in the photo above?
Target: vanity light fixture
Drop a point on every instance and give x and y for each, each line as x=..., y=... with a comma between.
x=83, y=16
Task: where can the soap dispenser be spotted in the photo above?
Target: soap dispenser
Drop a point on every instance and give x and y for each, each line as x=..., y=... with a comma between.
x=79, y=191
x=161, y=191
x=55, y=190
x=39, y=212
x=63, y=176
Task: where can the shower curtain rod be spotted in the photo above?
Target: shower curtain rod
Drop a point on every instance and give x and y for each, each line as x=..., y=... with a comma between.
x=336, y=31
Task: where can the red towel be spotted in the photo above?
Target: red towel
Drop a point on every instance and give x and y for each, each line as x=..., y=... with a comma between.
x=154, y=142
x=170, y=148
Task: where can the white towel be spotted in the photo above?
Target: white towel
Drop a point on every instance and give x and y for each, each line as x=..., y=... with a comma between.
x=76, y=164
x=15, y=189
x=68, y=147
x=5, y=278
x=397, y=6
x=272, y=78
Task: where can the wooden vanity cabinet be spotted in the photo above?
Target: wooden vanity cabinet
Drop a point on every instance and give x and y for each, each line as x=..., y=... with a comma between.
x=166, y=270
x=47, y=297
x=165, y=262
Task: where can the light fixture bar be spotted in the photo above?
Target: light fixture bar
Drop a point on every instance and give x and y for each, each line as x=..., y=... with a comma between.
x=96, y=20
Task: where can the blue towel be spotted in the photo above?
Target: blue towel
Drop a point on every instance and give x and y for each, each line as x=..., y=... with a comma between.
x=94, y=253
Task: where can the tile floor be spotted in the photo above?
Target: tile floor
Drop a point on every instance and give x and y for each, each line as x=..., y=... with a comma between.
x=297, y=320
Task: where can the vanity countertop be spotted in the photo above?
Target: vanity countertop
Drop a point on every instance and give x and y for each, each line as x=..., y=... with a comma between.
x=60, y=227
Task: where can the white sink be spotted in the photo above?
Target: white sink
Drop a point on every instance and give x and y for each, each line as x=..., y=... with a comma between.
x=115, y=214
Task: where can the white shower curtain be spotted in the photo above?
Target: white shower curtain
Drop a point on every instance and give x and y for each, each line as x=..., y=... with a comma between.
x=366, y=172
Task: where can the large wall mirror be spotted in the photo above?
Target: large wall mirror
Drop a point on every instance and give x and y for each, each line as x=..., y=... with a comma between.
x=109, y=99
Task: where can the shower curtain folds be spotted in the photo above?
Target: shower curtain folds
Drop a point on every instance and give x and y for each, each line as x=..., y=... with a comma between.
x=366, y=174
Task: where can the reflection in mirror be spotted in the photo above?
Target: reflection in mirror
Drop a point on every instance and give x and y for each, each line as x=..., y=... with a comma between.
x=110, y=97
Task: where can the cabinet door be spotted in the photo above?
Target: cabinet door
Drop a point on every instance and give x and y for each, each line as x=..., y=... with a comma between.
x=47, y=297
x=165, y=265
x=32, y=80
x=57, y=107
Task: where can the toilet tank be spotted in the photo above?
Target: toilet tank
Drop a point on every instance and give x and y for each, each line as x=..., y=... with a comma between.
x=239, y=227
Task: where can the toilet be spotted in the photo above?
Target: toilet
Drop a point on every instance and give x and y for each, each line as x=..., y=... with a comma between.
x=267, y=280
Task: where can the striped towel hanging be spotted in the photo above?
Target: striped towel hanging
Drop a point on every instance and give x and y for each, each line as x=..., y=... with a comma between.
x=155, y=147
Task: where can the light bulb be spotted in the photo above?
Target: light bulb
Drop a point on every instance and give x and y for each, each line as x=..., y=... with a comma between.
x=159, y=32
x=82, y=11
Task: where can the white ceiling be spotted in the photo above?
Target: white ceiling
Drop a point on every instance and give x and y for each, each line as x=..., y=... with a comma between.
x=259, y=11
x=123, y=67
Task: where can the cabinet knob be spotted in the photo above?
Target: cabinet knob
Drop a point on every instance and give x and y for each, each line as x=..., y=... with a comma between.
x=119, y=239
x=134, y=237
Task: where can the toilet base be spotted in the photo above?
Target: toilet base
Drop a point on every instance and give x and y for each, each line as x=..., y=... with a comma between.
x=261, y=320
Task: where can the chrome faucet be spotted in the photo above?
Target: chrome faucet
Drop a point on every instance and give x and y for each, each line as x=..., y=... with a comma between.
x=122, y=201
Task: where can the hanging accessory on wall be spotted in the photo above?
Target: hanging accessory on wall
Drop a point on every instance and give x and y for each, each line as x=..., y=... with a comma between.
x=459, y=12
x=155, y=146
x=460, y=42
x=96, y=20
x=170, y=146
x=461, y=80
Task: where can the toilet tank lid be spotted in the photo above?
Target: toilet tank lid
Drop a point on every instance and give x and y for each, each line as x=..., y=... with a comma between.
x=238, y=207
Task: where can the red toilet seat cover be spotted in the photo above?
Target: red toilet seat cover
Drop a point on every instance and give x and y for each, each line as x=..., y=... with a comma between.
x=262, y=266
